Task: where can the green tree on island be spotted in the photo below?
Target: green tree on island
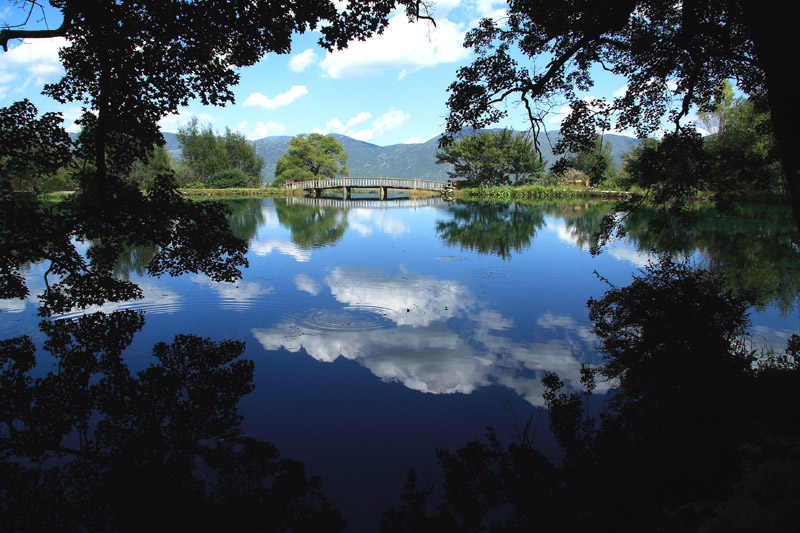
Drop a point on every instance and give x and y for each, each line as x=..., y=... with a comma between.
x=218, y=161
x=596, y=164
x=311, y=156
x=735, y=162
x=488, y=159
x=674, y=56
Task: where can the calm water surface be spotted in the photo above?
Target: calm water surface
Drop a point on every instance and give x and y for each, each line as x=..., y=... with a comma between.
x=382, y=331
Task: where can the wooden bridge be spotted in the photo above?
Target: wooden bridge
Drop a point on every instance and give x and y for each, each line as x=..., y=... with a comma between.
x=382, y=184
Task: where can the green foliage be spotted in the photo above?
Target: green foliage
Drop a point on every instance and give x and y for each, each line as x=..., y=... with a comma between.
x=95, y=446
x=695, y=437
x=674, y=56
x=291, y=173
x=156, y=162
x=489, y=228
x=312, y=227
x=311, y=156
x=32, y=150
x=744, y=153
x=490, y=159
x=735, y=163
x=597, y=164
x=231, y=177
x=528, y=192
x=715, y=115
x=218, y=161
x=188, y=236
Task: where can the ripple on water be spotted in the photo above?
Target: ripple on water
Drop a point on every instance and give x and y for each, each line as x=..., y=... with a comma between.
x=451, y=258
x=351, y=319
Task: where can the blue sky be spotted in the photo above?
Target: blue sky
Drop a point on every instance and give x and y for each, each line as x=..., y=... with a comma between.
x=391, y=89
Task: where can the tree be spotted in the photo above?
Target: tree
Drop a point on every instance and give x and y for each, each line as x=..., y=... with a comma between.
x=715, y=116
x=144, y=172
x=31, y=148
x=218, y=160
x=96, y=446
x=734, y=163
x=597, y=163
x=697, y=429
x=654, y=44
x=129, y=65
x=311, y=156
x=488, y=159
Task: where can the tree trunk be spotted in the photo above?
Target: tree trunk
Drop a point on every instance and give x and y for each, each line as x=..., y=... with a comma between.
x=774, y=33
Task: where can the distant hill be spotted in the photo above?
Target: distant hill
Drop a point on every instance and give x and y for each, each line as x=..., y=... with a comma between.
x=397, y=160
x=408, y=160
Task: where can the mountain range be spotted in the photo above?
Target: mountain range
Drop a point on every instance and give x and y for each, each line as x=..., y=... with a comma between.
x=397, y=160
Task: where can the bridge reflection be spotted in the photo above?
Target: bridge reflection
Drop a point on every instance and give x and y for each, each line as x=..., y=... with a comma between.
x=367, y=203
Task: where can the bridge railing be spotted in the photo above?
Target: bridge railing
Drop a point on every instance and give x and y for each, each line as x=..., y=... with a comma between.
x=367, y=183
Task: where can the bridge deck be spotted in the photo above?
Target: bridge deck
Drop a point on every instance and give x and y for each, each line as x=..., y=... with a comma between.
x=368, y=183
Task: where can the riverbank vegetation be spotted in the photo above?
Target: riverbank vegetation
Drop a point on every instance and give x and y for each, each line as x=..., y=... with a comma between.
x=311, y=157
x=700, y=430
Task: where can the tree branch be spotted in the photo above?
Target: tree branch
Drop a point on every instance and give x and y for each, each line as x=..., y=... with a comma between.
x=7, y=34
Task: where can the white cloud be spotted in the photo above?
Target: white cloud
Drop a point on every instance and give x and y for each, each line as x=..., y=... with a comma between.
x=389, y=121
x=363, y=220
x=71, y=114
x=305, y=283
x=171, y=123
x=265, y=129
x=238, y=296
x=487, y=9
x=405, y=47
x=281, y=100
x=413, y=140
x=301, y=61
x=37, y=58
x=622, y=91
x=262, y=248
x=442, y=7
x=408, y=339
x=559, y=117
x=362, y=135
x=336, y=125
x=361, y=117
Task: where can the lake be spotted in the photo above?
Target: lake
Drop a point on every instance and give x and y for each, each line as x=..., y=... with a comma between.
x=381, y=331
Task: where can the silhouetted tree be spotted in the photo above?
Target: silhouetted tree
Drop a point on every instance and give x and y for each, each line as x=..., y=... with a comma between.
x=696, y=424
x=89, y=445
x=652, y=43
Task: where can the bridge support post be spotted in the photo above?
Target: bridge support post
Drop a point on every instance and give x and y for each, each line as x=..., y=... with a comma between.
x=317, y=193
x=384, y=192
x=346, y=192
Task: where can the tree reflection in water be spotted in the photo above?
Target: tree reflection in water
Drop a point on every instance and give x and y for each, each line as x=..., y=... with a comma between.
x=700, y=431
x=491, y=228
x=90, y=446
x=312, y=226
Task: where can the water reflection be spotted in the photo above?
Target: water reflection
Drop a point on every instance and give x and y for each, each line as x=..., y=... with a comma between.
x=89, y=445
x=491, y=228
x=312, y=226
x=433, y=335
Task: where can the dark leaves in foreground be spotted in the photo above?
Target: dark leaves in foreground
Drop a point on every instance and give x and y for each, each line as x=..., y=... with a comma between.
x=89, y=445
x=700, y=431
x=187, y=237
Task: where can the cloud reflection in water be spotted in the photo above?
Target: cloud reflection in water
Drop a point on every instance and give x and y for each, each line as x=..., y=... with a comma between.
x=416, y=345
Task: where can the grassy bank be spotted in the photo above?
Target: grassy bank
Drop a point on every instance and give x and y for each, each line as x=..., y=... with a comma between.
x=537, y=192
x=265, y=192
